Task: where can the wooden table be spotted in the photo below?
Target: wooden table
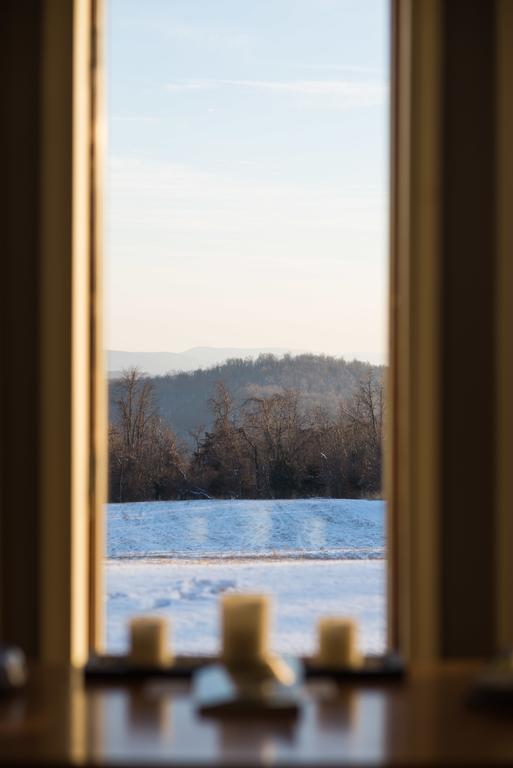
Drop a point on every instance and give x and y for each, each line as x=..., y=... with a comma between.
x=420, y=721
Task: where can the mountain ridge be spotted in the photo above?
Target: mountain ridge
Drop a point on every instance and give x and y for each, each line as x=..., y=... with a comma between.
x=196, y=358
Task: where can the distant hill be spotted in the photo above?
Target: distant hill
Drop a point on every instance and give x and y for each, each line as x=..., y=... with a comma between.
x=183, y=398
x=161, y=363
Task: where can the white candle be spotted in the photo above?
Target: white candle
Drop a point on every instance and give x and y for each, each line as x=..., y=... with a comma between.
x=149, y=642
x=338, y=643
x=245, y=623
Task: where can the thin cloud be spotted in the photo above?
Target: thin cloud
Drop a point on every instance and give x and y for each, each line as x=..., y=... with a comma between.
x=181, y=199
x=342, y=93
x=199, y=85
x=210, y=37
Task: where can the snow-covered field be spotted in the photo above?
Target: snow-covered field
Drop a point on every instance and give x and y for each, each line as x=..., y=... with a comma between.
x=314, y=556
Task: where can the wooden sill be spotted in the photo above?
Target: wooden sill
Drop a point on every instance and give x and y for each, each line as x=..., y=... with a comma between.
x=424, y=720
x=116, y=668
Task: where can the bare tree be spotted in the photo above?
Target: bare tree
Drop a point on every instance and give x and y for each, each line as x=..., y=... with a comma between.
x=145, y=460
x=274, y=445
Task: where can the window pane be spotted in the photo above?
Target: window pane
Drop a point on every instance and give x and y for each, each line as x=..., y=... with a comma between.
x=247, y=301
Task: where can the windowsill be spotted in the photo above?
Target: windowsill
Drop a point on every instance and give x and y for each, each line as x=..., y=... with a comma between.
x=423, y=721
x=117, y=668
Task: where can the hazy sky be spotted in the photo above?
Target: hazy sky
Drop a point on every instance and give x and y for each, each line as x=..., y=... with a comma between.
x=247, y=175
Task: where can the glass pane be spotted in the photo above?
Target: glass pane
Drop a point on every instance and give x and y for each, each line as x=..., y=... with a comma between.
x=247, y=298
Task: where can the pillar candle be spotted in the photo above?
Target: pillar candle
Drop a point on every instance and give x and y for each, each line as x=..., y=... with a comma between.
x=245, y=624
x=149, y=641
x=338, y=643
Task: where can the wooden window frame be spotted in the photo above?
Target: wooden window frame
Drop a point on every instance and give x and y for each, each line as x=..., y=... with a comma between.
x=72, y=445
x=413, y=482
x=83, y=606
x=73, y=456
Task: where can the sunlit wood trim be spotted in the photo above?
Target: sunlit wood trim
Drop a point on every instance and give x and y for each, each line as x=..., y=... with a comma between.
x=504, y=327
x=414, y=478
x=98, y=427
x=65, y=447
x=392, y=389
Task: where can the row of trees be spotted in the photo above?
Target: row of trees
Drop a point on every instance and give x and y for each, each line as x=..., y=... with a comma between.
x=267, y=447
x=183, y=398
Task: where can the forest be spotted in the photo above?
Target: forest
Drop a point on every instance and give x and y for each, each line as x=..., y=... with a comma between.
x=262, y=439
x=183, y=398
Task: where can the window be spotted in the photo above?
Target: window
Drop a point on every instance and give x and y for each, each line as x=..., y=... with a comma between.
x=247, y=247
x=70, y=428
x=45, y=595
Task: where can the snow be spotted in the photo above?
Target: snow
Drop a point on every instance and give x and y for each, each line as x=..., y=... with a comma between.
x=314, y=556
x=316, y=528
x=188, y=592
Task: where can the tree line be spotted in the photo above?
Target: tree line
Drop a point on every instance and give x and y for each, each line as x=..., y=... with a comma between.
x=322, y=380
x=268, y=446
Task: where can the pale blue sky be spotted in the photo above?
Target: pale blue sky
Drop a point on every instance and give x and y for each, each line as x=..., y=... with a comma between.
x=247, y=183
